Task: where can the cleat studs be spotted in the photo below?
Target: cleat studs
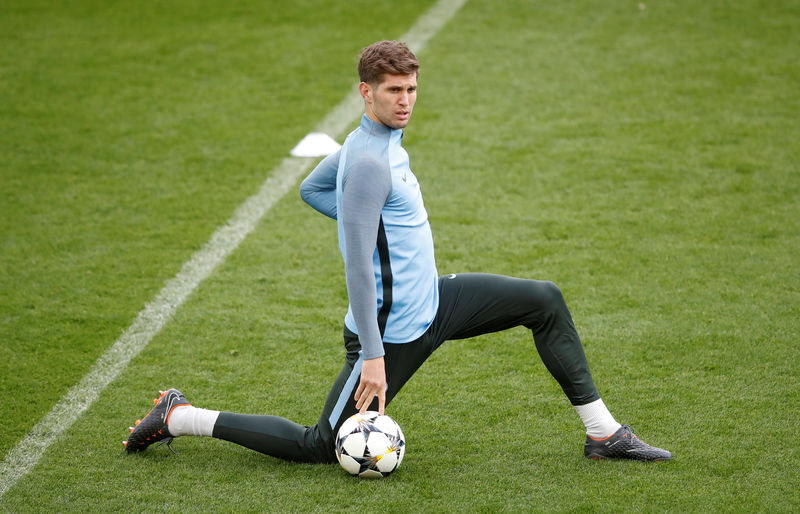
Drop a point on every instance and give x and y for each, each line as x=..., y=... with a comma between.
x=137, y=422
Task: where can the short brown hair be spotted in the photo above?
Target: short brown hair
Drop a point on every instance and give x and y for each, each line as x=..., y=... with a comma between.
x=392, y=57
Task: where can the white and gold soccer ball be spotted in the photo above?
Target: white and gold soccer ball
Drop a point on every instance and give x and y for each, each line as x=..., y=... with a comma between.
x=370, y=445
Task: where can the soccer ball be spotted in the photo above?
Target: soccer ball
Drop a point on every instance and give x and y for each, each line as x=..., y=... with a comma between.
x=370, y=445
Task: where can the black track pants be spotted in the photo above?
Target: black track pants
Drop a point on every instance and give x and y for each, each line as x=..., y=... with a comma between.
x=470, y=304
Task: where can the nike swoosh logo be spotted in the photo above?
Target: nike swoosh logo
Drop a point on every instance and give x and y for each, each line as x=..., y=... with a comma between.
x=451, y=276
x=641, y=450
x=171, y=402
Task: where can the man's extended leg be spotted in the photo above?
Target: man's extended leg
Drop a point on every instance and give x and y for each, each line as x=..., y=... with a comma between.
x=285, y=439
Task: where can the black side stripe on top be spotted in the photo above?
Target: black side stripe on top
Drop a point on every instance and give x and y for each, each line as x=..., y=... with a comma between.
x=386, y=278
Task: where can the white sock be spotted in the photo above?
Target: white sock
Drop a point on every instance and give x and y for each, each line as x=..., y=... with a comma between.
x=188, y=420
x=599, y=422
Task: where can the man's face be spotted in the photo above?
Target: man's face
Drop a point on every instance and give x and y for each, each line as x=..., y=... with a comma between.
x=391, y=101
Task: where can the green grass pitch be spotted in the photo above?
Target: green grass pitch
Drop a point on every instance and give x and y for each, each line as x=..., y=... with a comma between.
x=642, y=155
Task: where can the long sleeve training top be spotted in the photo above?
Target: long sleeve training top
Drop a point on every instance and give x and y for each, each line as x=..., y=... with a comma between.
x=384, y=236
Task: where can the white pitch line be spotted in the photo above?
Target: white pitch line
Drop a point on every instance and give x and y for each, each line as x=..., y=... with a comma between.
x=26, y=454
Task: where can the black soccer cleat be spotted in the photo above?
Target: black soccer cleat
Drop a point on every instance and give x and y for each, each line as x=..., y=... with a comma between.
x=623, y=444
x=153, y=427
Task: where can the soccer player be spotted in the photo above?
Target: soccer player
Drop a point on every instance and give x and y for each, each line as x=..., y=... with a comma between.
x=400, y=309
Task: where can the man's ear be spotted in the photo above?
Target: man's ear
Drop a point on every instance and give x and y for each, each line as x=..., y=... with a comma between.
x=366, y=91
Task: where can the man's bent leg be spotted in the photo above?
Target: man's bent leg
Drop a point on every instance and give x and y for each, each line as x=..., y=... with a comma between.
x=472, y=304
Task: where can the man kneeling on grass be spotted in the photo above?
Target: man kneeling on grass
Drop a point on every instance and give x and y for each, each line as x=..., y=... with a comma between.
x=400, y=309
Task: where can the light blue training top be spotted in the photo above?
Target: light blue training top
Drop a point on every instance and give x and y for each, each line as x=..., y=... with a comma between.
x=384, y=236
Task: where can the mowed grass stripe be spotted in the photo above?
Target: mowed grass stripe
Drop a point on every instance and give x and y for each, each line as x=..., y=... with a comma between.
x=26, y=454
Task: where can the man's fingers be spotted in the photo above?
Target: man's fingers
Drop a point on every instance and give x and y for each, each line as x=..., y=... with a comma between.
x=361, y=404
x=381, y=402
x=361, y=397
x=364, y=400
x=372, y=384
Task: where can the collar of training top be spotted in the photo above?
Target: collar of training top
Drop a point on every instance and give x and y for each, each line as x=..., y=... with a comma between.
x=373, y=127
